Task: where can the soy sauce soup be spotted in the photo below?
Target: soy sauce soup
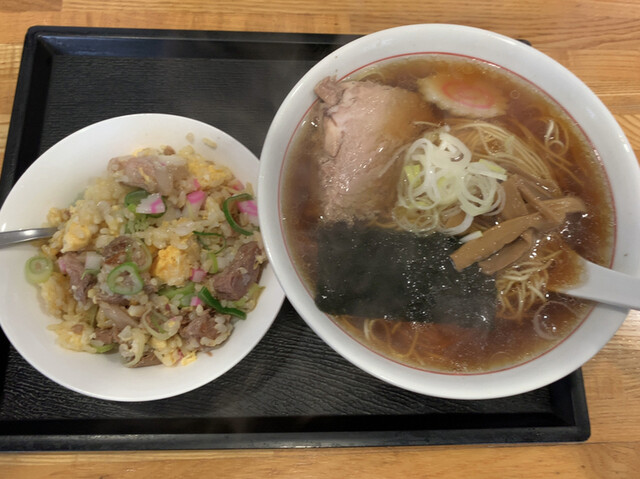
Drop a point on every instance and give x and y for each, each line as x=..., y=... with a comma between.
x=521, y=329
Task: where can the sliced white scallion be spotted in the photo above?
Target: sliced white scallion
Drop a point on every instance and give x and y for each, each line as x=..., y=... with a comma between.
x=159, y=326
x=441, y=176
x=132, y=345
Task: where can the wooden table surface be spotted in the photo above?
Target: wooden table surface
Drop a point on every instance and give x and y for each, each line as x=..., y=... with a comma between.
x=598, y=40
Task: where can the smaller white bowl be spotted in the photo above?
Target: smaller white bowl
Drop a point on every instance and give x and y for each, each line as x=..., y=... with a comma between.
x=55, y=179
x=561, y=85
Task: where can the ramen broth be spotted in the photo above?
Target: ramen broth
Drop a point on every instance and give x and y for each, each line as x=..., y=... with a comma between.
x=448, y=347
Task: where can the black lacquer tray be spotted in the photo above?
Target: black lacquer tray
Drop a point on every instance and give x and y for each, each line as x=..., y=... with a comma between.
x=292, y=390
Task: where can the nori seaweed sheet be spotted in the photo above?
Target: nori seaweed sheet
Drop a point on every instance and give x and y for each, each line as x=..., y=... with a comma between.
x=375, y=272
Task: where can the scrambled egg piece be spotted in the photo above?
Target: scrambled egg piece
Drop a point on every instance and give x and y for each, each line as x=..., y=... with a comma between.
x=208, y=174
x=77, y=340
x=57, y=216
x=76, y=236
x=167, y=351
x=173, y=265
x=189, y=358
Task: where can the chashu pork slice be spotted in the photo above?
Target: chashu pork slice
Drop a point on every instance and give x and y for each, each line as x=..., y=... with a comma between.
x=364, y=125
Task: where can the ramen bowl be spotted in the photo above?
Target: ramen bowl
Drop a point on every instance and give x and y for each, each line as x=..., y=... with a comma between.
x=56, y=179
x=613, y=157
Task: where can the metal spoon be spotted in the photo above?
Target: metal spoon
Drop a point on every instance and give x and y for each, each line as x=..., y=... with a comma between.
x=8, y=238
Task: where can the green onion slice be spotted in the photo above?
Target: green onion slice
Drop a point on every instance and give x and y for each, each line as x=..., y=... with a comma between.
x=133, y=199
x=86, y=272
x=252, y=294
x=171, y=292
x=226, y=205
x=207, y=298
x=103, y=349
x=214, y=262
x=159, y=326
x=155, y=317
x=140, y=254
x=38, y=269
x=209, y=241
x=125, y=279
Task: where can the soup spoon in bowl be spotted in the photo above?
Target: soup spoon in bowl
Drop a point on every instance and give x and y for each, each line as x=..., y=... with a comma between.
x=605, y=285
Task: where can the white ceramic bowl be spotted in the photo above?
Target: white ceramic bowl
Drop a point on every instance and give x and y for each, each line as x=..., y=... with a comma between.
x=560, y=84
x=55, y=179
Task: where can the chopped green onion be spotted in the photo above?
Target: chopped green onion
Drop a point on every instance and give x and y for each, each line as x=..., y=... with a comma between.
x=125, y=279
x=207, y=298
x=214, y=262
x=186, y=300
x=103, y=349
x=252, y=294
x=162, y=327
x=133, y=199
x=226, y=205
x=38, y=269
x=140, y=254
x=156, y=325
x=172, y=291
x=206, y=240
x=138, y=223
x=89, y=271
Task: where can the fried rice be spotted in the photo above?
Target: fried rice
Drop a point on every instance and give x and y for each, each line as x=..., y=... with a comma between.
x=155, y=261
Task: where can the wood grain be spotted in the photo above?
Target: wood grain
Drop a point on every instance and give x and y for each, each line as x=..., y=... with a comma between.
x=588, y=461
x=598, y=40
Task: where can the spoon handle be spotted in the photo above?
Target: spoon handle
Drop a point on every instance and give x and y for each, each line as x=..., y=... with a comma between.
x=607, y=286
x=19, y=236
